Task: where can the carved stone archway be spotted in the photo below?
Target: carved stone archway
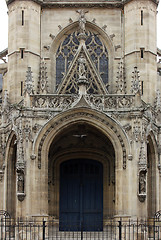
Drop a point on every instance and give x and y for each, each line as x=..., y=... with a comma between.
x=81, y=141
x=107, y=127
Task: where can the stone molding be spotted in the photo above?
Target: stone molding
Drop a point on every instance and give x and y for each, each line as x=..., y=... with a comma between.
x=83, y=3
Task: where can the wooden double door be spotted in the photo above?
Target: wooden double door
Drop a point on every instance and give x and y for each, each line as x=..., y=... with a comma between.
x=81, y=195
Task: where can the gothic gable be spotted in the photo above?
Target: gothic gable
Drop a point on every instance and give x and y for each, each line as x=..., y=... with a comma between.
x=76, y=53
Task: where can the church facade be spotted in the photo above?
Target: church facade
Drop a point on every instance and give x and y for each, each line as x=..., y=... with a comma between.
x=80, y=129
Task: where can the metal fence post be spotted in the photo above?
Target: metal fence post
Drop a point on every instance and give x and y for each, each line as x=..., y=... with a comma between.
x=120, y=226
x=81, y=231
x=44, y=230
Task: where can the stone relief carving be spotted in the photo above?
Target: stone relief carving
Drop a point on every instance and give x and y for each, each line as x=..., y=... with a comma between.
x=27, y=133
x=99, y=102
x=29, y=82
x=140, y=129
x=135, y=86
x=58, y=102
x=120, y=82
x=42, y=82
x=137, y=129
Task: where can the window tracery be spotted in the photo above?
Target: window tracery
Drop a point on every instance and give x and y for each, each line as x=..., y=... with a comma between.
x=98, y=55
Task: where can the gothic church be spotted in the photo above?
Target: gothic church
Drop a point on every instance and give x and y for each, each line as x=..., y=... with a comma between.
x=80, y=123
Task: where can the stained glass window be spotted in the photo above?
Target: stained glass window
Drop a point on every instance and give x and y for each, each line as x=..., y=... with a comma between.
x=96, y=50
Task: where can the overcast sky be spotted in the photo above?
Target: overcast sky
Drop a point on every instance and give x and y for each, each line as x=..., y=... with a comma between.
x=4, y=27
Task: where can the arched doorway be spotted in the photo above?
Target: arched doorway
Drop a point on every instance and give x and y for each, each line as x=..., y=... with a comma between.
x=81, y=177
x=81, y=195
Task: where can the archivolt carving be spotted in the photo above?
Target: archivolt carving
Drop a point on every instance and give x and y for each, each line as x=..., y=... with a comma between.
x=80, y=115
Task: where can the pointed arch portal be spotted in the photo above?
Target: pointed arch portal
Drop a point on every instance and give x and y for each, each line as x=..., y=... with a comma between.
x=81, y=176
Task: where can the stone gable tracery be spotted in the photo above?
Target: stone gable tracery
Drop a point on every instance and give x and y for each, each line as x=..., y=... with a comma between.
x=95, y=55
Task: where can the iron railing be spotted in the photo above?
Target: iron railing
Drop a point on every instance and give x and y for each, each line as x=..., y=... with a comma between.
x=49, y=230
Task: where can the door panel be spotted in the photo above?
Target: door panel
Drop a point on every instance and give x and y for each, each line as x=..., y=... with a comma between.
x=81, y=195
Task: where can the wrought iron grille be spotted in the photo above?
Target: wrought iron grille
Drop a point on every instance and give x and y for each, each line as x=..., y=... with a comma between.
x=49, y=230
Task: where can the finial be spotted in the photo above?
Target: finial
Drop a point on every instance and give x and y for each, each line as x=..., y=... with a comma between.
x=82, y=23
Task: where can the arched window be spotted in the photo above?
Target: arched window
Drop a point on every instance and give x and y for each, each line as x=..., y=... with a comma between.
x=97, y=53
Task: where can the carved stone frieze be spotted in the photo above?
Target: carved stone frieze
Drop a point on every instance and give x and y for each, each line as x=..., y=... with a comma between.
x=95, y=101
x=100, y=102
x=116, y=102
x=57, y=102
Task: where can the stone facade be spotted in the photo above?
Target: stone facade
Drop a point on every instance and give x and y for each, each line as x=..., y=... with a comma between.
x=81, y=83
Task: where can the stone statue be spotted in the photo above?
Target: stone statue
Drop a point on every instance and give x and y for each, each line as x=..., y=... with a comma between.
x=21, y=182
x=82, y=70
x=82, y=20
x=142, y=182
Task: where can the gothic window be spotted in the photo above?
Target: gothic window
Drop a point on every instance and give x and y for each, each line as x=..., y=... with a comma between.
x=97, y=53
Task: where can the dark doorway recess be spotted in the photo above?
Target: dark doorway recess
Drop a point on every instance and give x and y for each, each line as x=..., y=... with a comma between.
x=81, y=195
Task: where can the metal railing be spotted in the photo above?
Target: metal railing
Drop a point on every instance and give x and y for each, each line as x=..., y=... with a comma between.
x=49, y=230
